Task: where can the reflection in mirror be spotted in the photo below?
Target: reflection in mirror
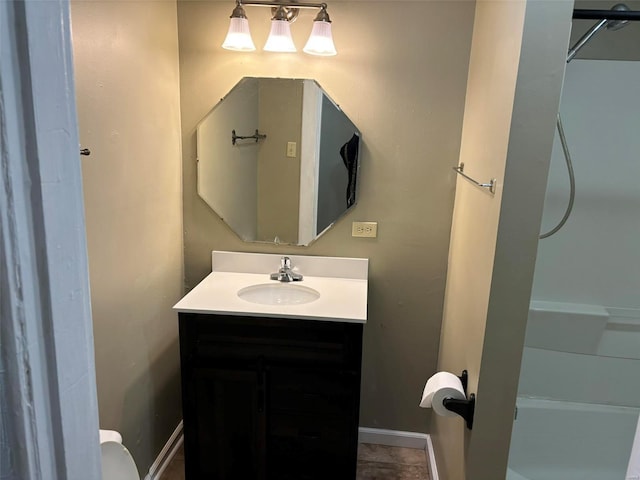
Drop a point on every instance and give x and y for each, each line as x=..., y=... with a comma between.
x=278, y=160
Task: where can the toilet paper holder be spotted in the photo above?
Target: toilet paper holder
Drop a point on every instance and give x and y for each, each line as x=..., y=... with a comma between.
x=464, y=408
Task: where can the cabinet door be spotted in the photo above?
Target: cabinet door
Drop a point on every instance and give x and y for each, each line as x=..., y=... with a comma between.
x=305, y=446
x=224, y=425
x=312, y=424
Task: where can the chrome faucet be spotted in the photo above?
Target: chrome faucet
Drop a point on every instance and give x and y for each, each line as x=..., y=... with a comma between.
x=285, y=274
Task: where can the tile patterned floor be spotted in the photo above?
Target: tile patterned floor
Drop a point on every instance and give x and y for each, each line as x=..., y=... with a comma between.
x=175, y=470
x=378, y=462
x=375, y=462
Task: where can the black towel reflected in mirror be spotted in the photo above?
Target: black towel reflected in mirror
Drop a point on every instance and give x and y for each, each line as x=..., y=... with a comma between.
x=349, y=154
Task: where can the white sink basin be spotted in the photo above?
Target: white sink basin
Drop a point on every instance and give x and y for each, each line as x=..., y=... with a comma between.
x=278, y=294
x=333, y=290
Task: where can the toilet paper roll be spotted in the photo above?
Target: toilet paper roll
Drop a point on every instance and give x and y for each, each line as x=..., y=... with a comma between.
x=440, y=386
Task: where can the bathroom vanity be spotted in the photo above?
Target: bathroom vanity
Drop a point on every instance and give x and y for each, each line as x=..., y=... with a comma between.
x=271, y=382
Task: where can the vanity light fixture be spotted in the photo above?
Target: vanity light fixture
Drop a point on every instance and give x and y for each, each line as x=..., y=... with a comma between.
x=320, y=41
x=280, y=36
x=239, y=36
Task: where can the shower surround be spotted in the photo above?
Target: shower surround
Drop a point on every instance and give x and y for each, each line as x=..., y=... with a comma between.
x=580, y=381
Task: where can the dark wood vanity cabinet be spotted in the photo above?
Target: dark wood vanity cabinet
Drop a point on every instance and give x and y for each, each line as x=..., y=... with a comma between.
x=269, y=398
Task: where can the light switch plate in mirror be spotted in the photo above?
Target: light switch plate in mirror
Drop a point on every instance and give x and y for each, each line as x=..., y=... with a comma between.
x=291, y=169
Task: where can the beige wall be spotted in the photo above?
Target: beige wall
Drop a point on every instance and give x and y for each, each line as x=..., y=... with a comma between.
x=126, y=64
x=400, y=76
x=515, y=77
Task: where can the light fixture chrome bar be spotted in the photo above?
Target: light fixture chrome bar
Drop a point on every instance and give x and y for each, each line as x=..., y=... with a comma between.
x=258, y=3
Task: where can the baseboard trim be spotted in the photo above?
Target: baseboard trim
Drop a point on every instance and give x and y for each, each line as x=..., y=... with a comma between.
x=392, y=438
x=431, y=460
x=166, y=454
x=377, y=436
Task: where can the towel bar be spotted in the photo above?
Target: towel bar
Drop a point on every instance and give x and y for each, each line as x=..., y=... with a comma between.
x=257, y=136
x=491, y=185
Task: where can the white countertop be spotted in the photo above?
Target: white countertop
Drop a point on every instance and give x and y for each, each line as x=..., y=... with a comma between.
x=341, y=282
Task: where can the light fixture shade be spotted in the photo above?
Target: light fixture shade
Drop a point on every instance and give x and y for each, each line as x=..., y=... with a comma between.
x=239, y=36
x=280, y=38
x=320, y=41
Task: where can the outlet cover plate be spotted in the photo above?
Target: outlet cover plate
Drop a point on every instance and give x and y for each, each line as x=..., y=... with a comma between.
x=364, y=229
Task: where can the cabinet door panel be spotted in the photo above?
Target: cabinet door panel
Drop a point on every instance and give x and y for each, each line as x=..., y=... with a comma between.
x=225, y=439
x=322, y=392
x=309, y=446
x=269, y=398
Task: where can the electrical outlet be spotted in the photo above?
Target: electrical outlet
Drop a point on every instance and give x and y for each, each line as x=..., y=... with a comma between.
x=291, y=149
x=364, y=229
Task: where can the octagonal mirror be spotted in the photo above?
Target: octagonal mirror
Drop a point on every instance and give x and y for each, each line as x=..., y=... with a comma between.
x=278, y=160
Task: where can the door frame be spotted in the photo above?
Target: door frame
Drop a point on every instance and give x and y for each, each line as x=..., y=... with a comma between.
x=46, y=333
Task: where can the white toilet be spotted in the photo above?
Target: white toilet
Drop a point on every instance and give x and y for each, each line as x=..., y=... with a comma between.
x=117, y=463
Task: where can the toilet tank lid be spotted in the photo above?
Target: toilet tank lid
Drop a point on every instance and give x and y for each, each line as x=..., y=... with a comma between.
x=110, y=436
